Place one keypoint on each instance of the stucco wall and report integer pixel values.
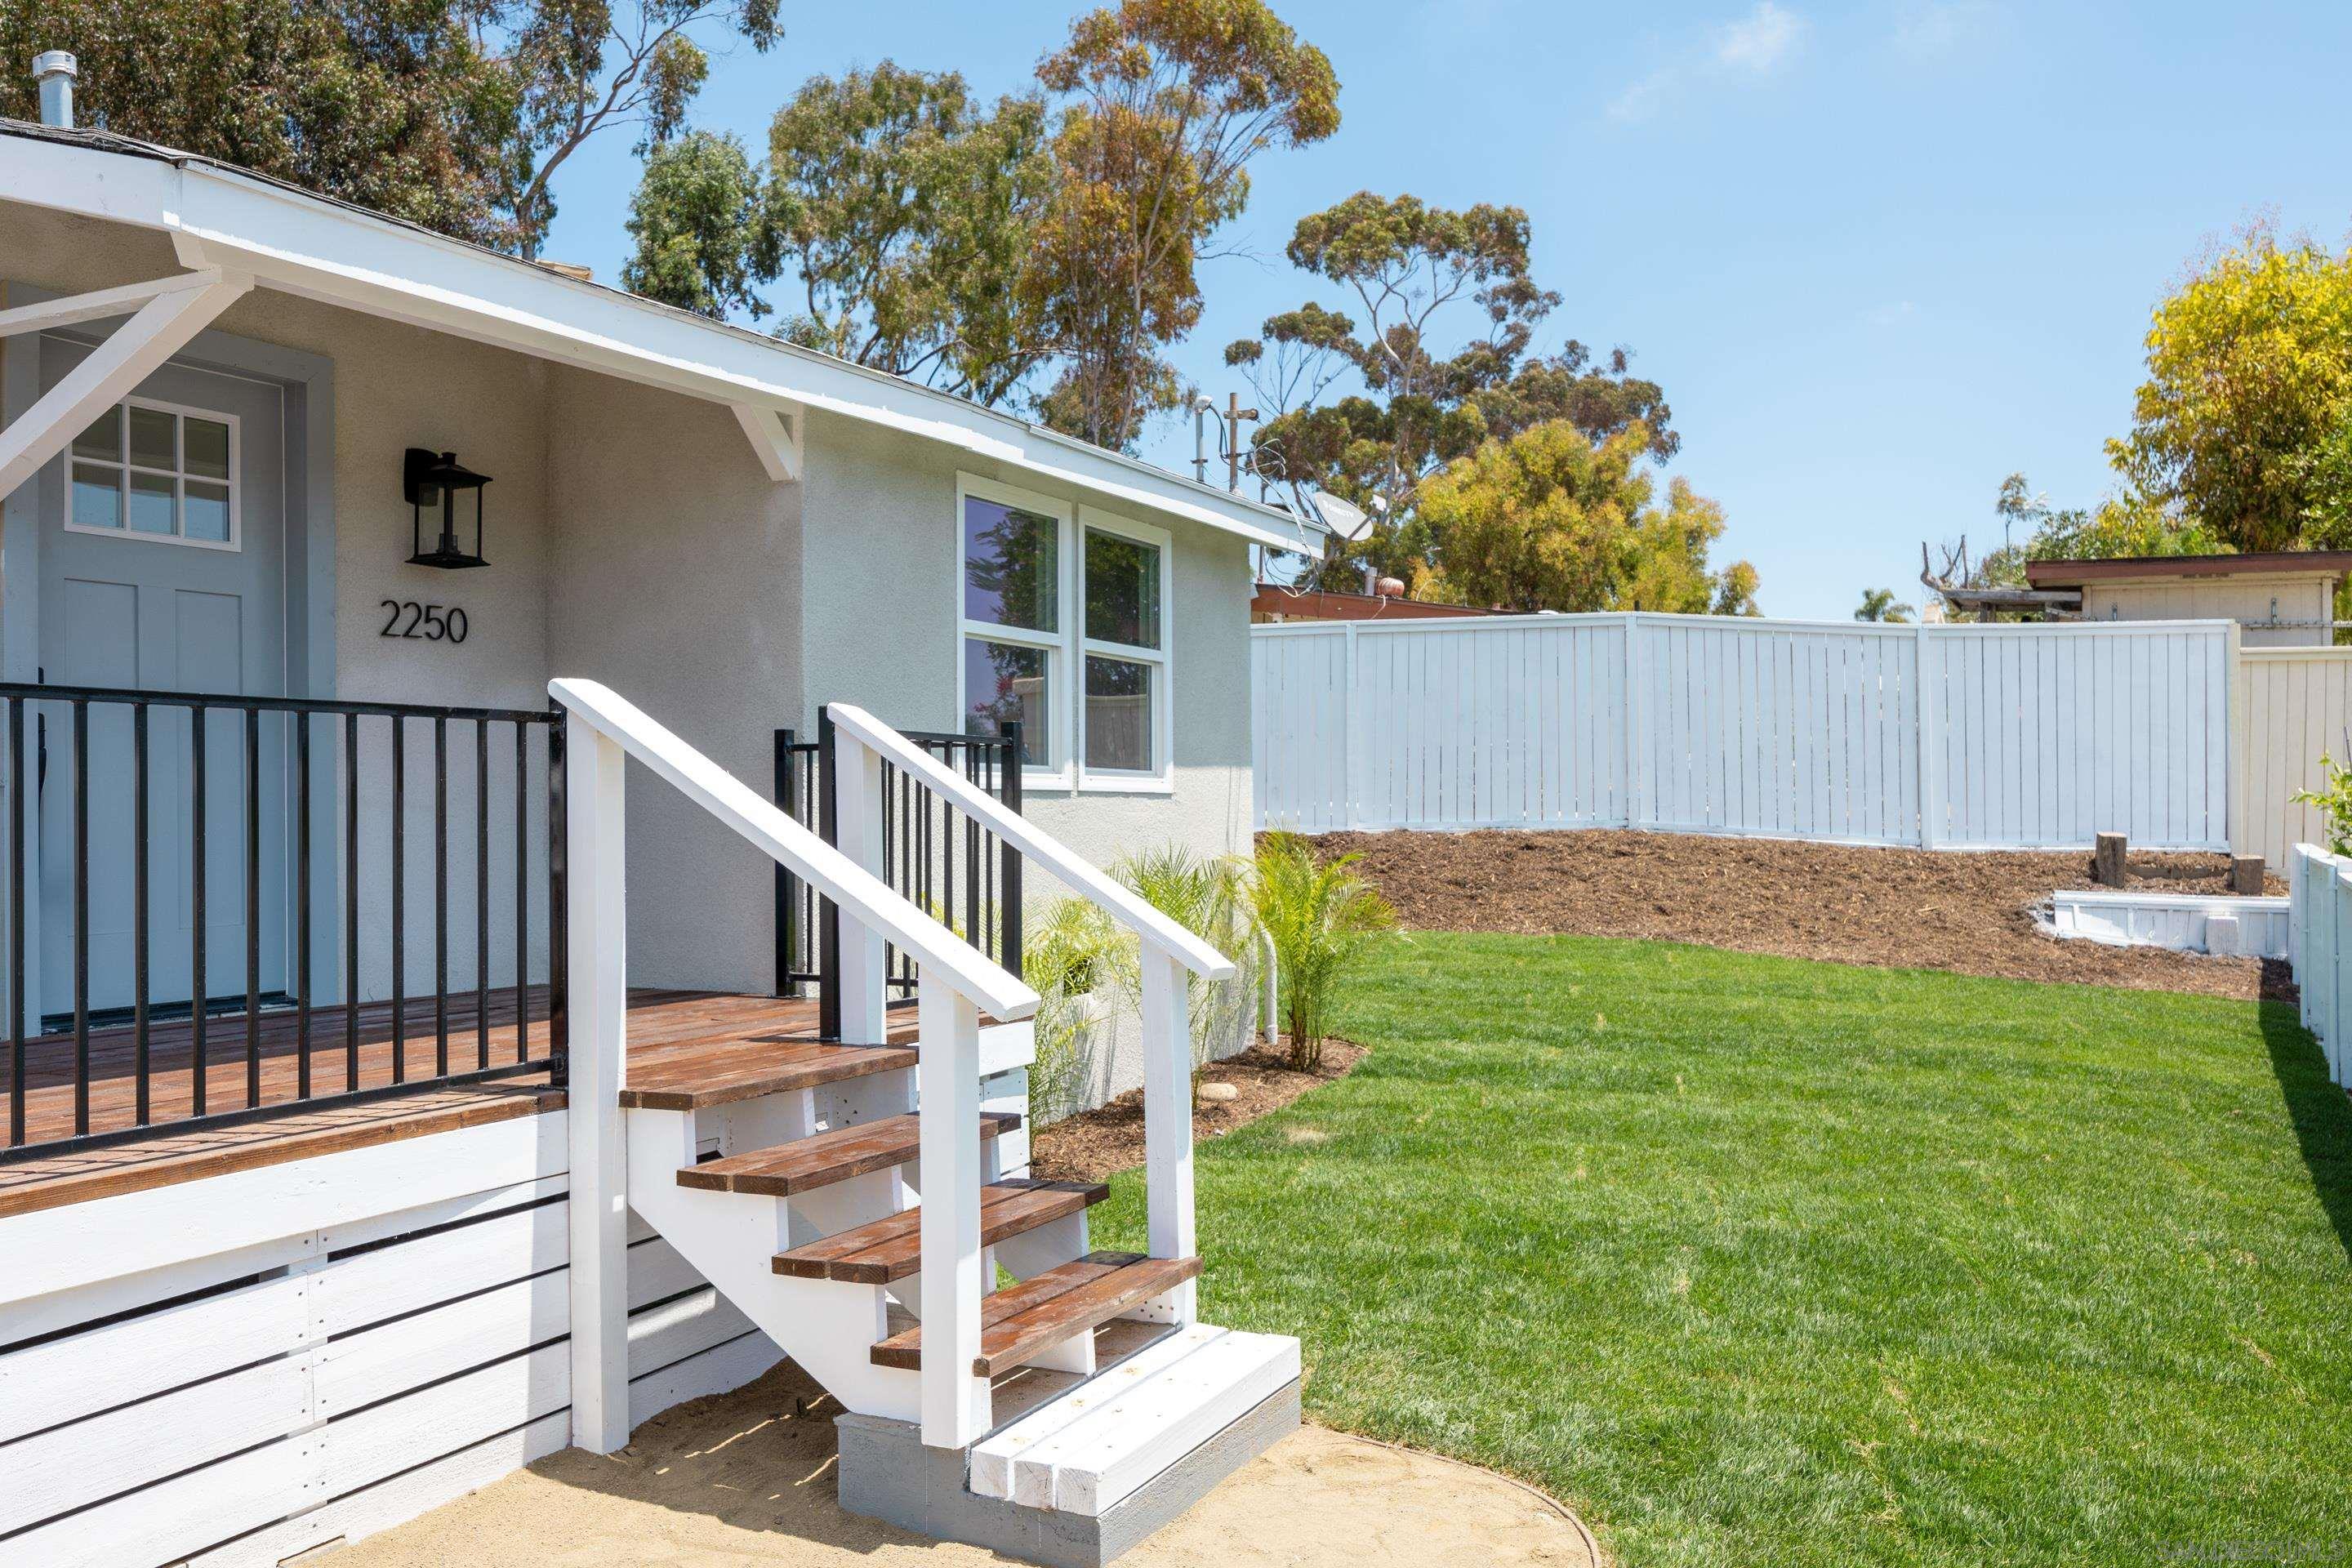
(675, 579)
(881, 529)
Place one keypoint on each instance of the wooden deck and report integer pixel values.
(663, 1025)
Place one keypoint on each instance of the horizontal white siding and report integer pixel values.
(328, 1381)
(2319, 948)
(1949, 736)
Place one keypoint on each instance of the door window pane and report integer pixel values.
(1011, 566)
(97, 496)
(1003, 682)
(103, 439)
(1118, 714)
(1122, 590)
(207, 448)
(151, 503)
(154, 439)
(206, 513)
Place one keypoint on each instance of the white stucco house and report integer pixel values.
(347, 571)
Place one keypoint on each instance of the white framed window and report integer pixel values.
(155, 471)
(1125, 724)
(1062, 621)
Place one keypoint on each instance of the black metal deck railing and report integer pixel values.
(298, 886)
(934, 854)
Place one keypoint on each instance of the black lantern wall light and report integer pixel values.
(434, 479)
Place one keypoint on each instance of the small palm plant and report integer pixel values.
(1071, 951)
(1322, 918)
(1205, 896)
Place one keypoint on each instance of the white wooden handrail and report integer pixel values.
(1039, 846)
(860, 895)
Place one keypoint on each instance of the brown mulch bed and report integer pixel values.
(1963, 911)
(1094, 1144)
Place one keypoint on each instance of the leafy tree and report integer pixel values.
(1553, 520)
(396, 105)
(1880, 604)
(454, 114)
(1165, 103)
(1421, 279)
(2245, 418)
(586, 66)
(909, 213)
(700, 222)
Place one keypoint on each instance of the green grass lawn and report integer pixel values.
(1754, 1260)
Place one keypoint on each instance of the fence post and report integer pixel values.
(2237, 698)
(597, 938)
(858, 808)
(1632, 706)
(1927, 714)
(955, 1402)
(1351, 767)
(1168, 1117)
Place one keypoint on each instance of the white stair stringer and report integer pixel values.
(828, 1327)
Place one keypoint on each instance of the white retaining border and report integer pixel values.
(2215, 923)
(2319, 897)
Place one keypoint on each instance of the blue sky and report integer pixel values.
(1879, 254)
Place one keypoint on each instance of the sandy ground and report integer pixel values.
(1964, 911)
(747, 1477)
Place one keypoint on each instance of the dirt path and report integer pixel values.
(1961, 911)
(747, 1479)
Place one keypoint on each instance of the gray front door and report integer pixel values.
(162, 567)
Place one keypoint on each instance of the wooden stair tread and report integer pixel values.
(1017, 1322)
(891, 1247)
(722, 1071)
(826, 1157)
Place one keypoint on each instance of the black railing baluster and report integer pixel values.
(441, 898)
(979, 935)
(786, 885)
(828, 963)
(399, 900)
(199, 979)
(1008, 913)
(139, 1039)
(481, 893)
(81, 914)
(522, 892)
(300, 725)
(16, 920)
(558, 912)
(351, 901)
(252, 907)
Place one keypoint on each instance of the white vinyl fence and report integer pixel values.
(2297, 703)
(2008, 736)
(2319, 948)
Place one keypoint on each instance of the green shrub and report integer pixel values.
(2334, 803)
(1069, 952)
(1206, 896)
(1321, 918)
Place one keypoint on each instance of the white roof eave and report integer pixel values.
(303, 243)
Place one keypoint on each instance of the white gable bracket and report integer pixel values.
(105, 302)
(163, 326)
(777, 438)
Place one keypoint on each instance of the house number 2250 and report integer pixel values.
(423, 623)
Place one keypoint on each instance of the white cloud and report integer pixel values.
(1891, 315)
(1929, 29)
(1759, 41)
(1755, 45)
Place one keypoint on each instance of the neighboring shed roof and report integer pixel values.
(1315, 604)
(300, 242)
(2160, 568)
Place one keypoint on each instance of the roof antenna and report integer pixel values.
(55, 71)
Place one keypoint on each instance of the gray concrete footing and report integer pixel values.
(886, 1473)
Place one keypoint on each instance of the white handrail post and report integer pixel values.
(595, 769)
(1168, 1117)
(955, 1401)
(858, 811)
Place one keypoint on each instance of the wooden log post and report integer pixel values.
(2107, 860)
(2246, 875)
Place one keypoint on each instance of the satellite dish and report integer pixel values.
(1345, 520)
